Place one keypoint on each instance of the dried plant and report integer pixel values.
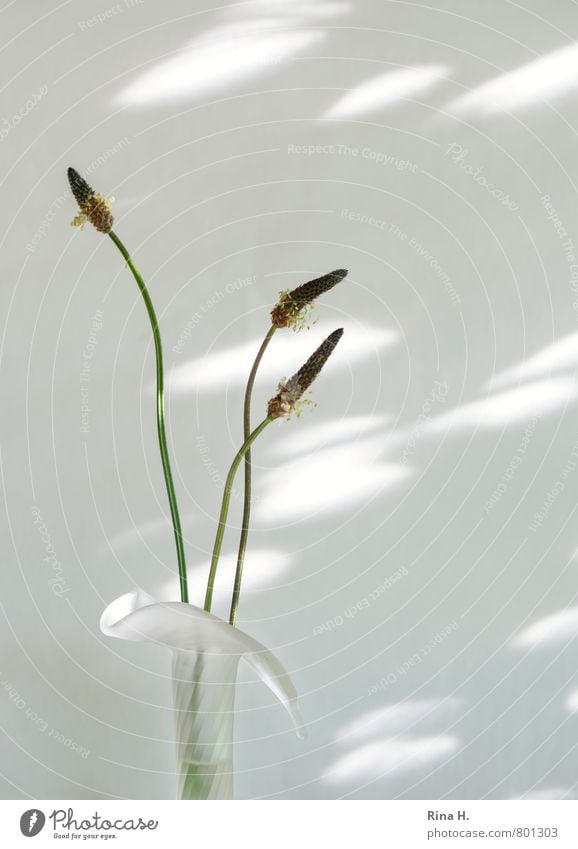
(95, 209)
(301, 381)
(291, 391)
(207, 650)
(291, 310)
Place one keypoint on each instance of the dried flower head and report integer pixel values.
(289, 395)
(94, 207)
(292, 308)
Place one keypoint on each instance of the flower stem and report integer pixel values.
(160, 419)
(225, 508)
(247, 494)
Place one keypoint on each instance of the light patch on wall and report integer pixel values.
(559, 356)
(382, 759)
(135, 535)
(262, 568)
(557, 628)
(220, 57)
(298, 7)
(509, 408)
(219, 368)
(310, 438)
(547, 793)
(386, 90)
(398, 718)
(545, 78)
(327, 481)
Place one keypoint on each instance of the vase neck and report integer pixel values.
(204, 702)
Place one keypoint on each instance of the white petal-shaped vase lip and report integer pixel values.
(181, 627)
(122, 607)
(138, 617)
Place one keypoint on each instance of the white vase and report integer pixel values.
(206, 656)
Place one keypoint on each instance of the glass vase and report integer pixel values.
(206, 655)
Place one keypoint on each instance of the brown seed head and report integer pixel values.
(93, 206)
(290, 391)
(289, 310)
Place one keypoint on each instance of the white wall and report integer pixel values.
(443, 426)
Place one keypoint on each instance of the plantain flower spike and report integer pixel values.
(292, 308)
(288, 398)
(94, 207)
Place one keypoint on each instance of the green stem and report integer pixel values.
(160, 419)
(225, 508)
(247, 494)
